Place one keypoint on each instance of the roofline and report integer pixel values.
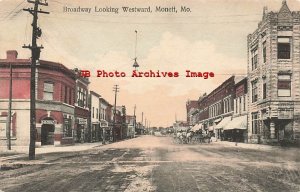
(96, 94)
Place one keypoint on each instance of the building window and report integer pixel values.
(81, 97)
(255, 123)
(48, 91)
(254, 91)
(66, 94)
(254, 58)
(97, 114)
(236, 105)
(93, 112)
(70, 96)
(264, 90)
(283, 48)
(244, 102)
(240, 105)
(264, 52)
(67, 128)
(284, 85)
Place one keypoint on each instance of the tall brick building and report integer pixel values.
(191, 110)
(217, 105)
(274, 77)
(55, 93)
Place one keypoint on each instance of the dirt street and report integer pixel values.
(150, 163)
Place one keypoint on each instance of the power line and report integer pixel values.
(14, 10)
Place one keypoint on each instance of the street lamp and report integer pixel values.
(135, 64)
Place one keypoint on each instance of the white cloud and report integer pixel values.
(174, 53)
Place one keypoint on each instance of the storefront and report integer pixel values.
(236, 129)
(219, 128)
(81, 130)
(105, 131)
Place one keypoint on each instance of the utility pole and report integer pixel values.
(142, 117)
(134, 123)
(116, 90)
(8, 125)
(35, 56)
(145, 124)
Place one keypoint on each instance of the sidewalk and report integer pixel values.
(22, 151)
(252, 146)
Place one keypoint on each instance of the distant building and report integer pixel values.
(120, 128)
(191, 110)
(216, 108)
(236, 128)
(130, 121)
(105, 107)
(82, 111)
(95, 130)
(181, 126)
(274, 77)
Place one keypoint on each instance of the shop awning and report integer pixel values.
(237, 123)
(182, 128)
(223, 123)
(103, 123)
(218, 120)
(197, 127)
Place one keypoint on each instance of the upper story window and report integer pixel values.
(244, 102)
(93, 112)
(264, 52)
(97, 114)
(71, 93)
(227, 105)
(283, 48)
(254, 91)
(264, 90)
(48, 91)
(254, 58)
(66, 94)
(284, 85)
(81, 100)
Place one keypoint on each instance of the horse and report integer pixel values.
(189, 137)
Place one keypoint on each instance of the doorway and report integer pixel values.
(47, 134)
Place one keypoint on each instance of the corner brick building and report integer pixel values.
(55, 93)
(274, 77)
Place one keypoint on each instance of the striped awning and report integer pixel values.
(223, 123)
(237, 123)
(197, 127)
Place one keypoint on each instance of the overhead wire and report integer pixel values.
(13, 10)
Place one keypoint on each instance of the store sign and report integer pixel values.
(66, 121)
(48, 122)
(82, 121)
(104, 124)
(285, 114)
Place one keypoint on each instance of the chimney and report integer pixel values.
(11, 55)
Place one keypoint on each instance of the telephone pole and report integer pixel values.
(145, 124)
(134, 123)
(35, 56)
(8, 125)
(116, 90)
(142, 117)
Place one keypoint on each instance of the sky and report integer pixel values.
(210, 38)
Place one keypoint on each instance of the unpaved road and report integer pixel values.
(151, 163)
